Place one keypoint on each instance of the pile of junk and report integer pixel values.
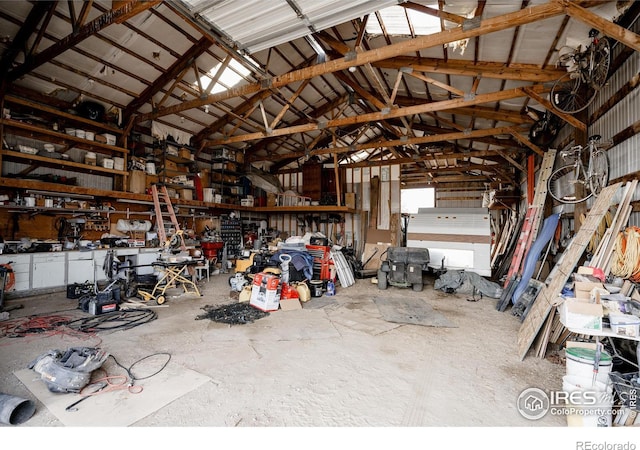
(304, 265)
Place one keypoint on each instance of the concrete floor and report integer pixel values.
(334, 363)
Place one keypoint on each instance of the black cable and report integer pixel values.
(116, 320)
(129, 369)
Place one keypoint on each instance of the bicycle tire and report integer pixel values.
(599, 172)
(570, 95)
(602, 61)
(563, 185)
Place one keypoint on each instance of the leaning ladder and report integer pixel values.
(160, 216)
(533, 216)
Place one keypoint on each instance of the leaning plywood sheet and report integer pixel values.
(549, 296)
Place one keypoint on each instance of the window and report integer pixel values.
(413, 199)
(230, 77)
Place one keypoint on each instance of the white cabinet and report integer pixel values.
(145, 258)
(98, 263)
(21, 265)
(80, 267)
(48, 270)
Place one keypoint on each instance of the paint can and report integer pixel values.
(316, 288)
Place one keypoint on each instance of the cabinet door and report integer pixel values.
(80, 267)
(21, 265)
(48, 271)
(312, 181)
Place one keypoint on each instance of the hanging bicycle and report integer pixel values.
(573, 182)
(586, 73)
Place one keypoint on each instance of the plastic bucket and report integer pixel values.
(316, 288)
(580, 362)
(208, 195)
(587, 405)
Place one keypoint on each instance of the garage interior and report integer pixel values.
(288, 213)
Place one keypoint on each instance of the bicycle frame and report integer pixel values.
(562, 184)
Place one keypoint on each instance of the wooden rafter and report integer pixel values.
(486, 69)
(397, 112)
(174, 72)
(118, 15)
(490, 25)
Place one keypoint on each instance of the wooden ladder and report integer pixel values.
(160, 216)
(533, 217)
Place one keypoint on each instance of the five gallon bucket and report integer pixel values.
(589, 404)
(316, 288)
(15, 410)
(580, 363)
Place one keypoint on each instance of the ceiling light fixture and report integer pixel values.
(352, 69)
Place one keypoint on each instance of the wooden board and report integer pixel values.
(370, 249)
(549, 296)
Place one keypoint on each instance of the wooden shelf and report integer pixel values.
(321, 208)
(27, 130)
(59, 163)
(58, 113)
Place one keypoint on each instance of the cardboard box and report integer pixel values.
(583, 289)
(350, 200)
(110, 139)
(137, 182)
(578, 314)
(265, 292)
(151, 179)
(290, 304)
(170, 165)
(184, 153)
(185, 194)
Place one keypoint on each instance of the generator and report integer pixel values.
(403, 267)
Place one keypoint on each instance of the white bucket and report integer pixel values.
(107, 163)
(580, 362)
(588, 405)
(207, 194)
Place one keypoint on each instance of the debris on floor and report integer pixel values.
(465, 282)
(234, 314)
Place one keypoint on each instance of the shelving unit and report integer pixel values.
(224, 175)
(169, 166)
(23, 141)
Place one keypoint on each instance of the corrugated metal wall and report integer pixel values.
(624, 158)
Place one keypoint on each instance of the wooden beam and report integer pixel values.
(614, 31)
(435, 82)
(547, 104)
(526, 142)
(485, 69)
(125, 12)
(435, 12)
(490, 25)
(19, 42)
(399, 142)
(170, 74)
(372, 117)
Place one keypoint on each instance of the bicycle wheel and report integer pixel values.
(601, 62)
(568, 185)
(599, 172)
(570, 95)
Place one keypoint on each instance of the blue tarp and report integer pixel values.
(301, 260)
(545, 235)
